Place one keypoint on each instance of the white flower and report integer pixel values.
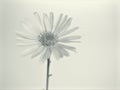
(49, 38)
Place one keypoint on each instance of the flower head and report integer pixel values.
(47, 38)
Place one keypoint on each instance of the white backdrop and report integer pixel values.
(96, 65)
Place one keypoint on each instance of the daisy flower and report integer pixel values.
(47, 37)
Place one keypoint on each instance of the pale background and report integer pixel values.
(96, 65)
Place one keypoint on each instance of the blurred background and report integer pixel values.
(95, 66)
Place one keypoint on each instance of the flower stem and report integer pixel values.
(48, 75)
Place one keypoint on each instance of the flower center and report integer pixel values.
(48, 39)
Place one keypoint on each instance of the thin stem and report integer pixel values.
(48, 75)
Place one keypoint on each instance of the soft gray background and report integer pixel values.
(96, 65)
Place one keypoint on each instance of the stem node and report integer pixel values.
(50, 75)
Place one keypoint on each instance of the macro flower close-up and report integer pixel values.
(50, 37)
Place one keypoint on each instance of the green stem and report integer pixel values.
(48, 75)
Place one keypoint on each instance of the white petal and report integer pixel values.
(47, 54)
(46, 22)
(51, 20)
(25, 36)
(38, 52)
(39, 19)
(32, 26)
(63, 21)
(27, 41)
(58, 22)
(43, 54)
(63, 51)
(57, 53)
(67, 47)
(28, 28)
(69, 38)
(65, 26)
(24, 40)
(68, 41)
(30, 51)
(28, 44)
(67, 32)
